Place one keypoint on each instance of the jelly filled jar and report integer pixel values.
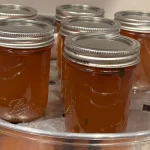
(74, 25)
(25, 47)
(98, 75)
(13, 11)
(136, 25)
(71, 10)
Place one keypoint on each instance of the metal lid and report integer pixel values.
(136, 21)
(25, 34)
(73, 25)
(16, 11)
(70, 10)
(47, 19)
(104, 51)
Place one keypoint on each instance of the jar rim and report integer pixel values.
(136, 21)
(69, 10)
(16, 11)
(71, 25)
(25, 34)
(102, 51)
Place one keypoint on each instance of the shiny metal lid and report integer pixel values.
(25, 34)
(136, 21)
(47, 19)
(73, 25)
(16, 11)
(70, 10)
(104, 51)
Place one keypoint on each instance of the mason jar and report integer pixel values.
(75, 25)
(25, 47)
(136, 24)
(98, 76)
(13, 11)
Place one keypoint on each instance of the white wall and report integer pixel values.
(110, 6)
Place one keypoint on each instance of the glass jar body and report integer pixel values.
(142, 74)
(24, 76)
(96, 99)
(60, 47)
(58, 25)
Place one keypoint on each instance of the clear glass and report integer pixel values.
(60, 47)
(54, 48)
(58, 25)
(96, 99)
(24, 76)
(142, 75)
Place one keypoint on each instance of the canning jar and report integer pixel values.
(13, 11)
(71, 10)
(136, 25)
(98, 75)
(52, 21)
(74, 25)
(25, 47)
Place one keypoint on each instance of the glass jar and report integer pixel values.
(25, 47)
(12, 11)
(71, 10)
(136, 25)
(98, 75)
(52, 21)
(74, 25)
